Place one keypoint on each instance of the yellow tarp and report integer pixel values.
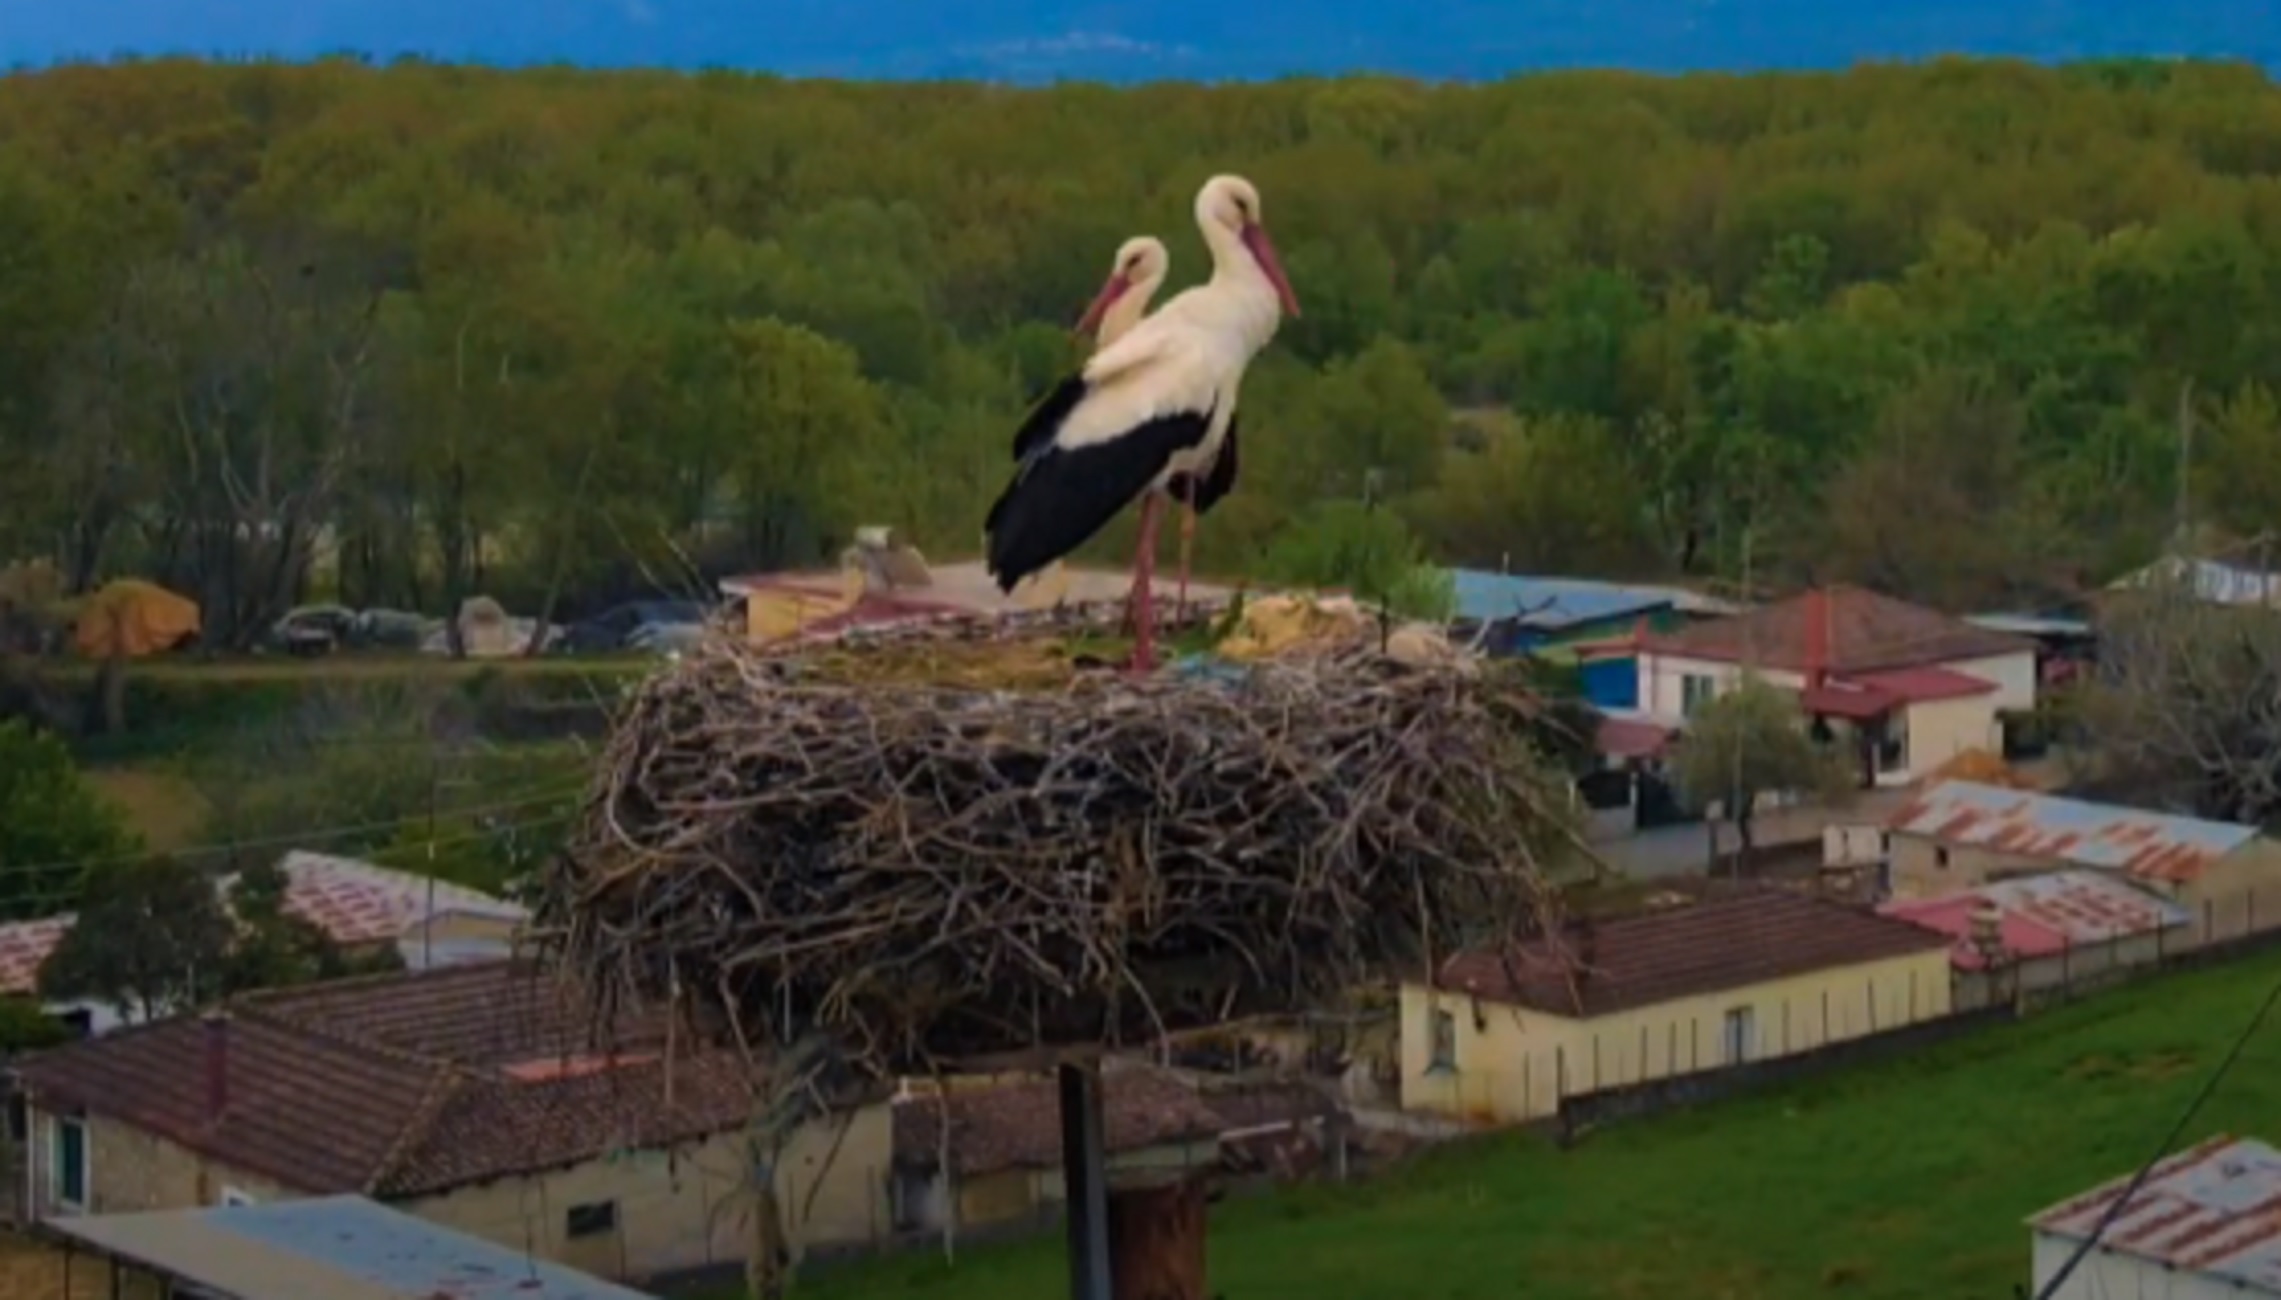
(134, 618)
(1272, 627)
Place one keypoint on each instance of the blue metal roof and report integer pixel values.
(1551, 603)
(367, 1241)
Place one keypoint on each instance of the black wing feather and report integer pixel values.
(1047, 413)
(1060, 497)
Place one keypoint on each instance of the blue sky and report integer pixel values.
(1128, 40)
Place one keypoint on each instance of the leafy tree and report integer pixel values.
(52, 825)
(1366, 551)
(152, 939)
(1749, 742)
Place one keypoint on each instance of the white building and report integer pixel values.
(2203, 1227)
(1912, 686)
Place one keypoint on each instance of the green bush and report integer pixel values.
(52, 823)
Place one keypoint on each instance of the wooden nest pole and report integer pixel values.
(1142, 1241)
(1085, 1181)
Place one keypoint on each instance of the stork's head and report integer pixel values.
(1231, 203)
(1140, 267)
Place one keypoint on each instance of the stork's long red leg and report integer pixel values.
(1187, 547)
(1144, 582)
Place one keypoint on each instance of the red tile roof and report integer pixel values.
(398, 1085)
(1868, 632)
(1651, 957)
(1018, 1125)
(1926, 684)
(1630, 738)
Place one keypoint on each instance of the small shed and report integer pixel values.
(338, 1247)
(2198, 1228)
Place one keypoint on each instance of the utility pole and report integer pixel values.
(2183, 522)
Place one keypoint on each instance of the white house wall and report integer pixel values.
(2105, 1275)
(1660, 677)
(1939, 730)
(2014, 675)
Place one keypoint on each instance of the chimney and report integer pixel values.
(1817, 615)
(217, 1063)
(1988, 930)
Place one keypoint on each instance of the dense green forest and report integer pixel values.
(407, 333)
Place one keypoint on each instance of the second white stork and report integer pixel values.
(1154, 405)
(1141, 265)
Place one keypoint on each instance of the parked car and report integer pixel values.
(312, 630)
(666, 638)
(613, 629)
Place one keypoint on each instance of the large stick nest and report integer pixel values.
(932, 873)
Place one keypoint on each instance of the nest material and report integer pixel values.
(933, 874)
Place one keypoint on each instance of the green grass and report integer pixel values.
(1897, 1181)
(160, 804)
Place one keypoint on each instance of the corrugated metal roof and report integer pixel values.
(2213, 1209)
(1551, 603)
(2031, 624)
(336, 1246)
(2147, 845)
(2042, 915)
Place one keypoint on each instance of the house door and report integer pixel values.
(1741, 1035)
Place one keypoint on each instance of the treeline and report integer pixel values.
(411, 333)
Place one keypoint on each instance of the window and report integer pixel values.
(1940, 858)
(1741, 1035)
(1695, 691)
(67, 1170)
(1444, 1041)
(590, 1220)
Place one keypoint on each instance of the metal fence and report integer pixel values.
(2218, 930)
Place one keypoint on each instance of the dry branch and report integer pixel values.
(932, 873)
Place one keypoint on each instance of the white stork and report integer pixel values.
(1134, 278)
(1151, 406)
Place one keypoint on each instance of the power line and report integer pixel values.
(2122, 1199)
(296, 839)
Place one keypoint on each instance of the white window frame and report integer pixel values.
(235, 1196)
(1695, 691)
(56, 1126)
(1439, 1061)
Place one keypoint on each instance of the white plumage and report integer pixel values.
(1155, 403)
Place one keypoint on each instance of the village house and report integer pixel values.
(1004, 1146)
(464, 1095)
(2199, 1228)
(1695, 987)
(361, 907)
(1559, 618)
(1899, 687)
(1962, 834)
(2057, 930)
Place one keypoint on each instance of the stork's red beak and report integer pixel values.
(1263, 252)
(1102, 302)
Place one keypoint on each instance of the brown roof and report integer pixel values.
(1018, 1125)
(399, 1085)
(1650, 957)
(1867, 631)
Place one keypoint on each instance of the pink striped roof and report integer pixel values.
(352, 902)
(2214, 1209)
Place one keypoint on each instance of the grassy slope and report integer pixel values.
(1890, 1182)
(161, 805)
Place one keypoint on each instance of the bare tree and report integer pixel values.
(2185, 713)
